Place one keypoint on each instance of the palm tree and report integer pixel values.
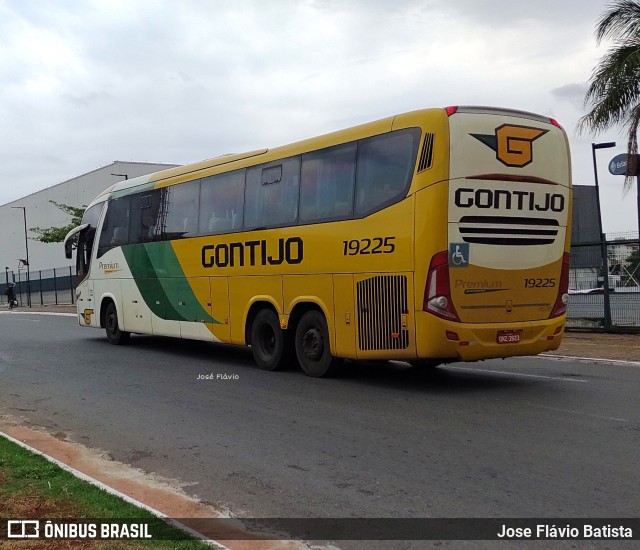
(614, 87)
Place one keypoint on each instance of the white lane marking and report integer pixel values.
(38, 313)
(592, 359)
(554, 409)
(581, 413)
(521, 374)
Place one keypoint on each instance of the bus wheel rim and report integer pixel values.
(111, 323)
(268, 340)
(312, 344)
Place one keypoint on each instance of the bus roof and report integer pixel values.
(179, 173)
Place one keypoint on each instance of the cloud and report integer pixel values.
(82, 84)
(574, 93)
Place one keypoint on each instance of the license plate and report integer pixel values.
(508, 336)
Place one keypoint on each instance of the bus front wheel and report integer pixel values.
(270, 345)
(114, 334)
(312, 345)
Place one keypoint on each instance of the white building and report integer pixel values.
(78, 191)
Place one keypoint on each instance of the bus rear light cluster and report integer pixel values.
(437, 293)
(560, 307)
(555, 123)
(553, 336)
(454, 337)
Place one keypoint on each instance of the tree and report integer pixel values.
(614, 87)
(57, 234)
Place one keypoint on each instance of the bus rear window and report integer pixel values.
(385, 168)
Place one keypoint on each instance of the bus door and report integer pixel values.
(83, 237)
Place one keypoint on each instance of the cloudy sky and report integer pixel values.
(87, 82)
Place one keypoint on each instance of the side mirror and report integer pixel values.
(68, 240)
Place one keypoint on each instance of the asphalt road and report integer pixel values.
(527, 437)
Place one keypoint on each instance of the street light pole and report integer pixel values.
(26, 246)
(595, 146)
(638, 200)
(603, 242)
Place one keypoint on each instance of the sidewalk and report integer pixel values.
(597, 345)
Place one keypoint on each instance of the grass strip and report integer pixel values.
(32, 487)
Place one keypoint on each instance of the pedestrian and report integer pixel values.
(10, 291)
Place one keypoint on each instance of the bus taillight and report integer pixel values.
(437, 293)
(560, 306)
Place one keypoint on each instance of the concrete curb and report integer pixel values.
(60, 314)
(126, 498)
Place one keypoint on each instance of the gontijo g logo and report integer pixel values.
(512, 143)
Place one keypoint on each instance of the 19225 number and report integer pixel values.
(539, 283)
(375, 245)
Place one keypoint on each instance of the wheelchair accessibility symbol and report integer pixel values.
(459, 254)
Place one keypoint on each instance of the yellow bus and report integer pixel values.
(429, 237)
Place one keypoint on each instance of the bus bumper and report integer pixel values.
(440, 339)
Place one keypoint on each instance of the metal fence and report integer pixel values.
(604, 284)
(595, 301)
(42, 287)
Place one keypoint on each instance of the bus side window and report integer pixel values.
(385, 168)
(145, 208)
(272, 194)
(115, 229)
(326, 185)
(221, 200)
(182, 205)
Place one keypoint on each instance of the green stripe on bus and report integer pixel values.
(162, 283)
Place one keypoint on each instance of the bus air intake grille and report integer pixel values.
(382, 305)
(510, 231)
(426, 156)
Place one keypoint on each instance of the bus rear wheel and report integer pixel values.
(312, 345)
(271, 346)
(114, 334)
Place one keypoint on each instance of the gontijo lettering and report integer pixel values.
(288, 251)
(511, 200)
